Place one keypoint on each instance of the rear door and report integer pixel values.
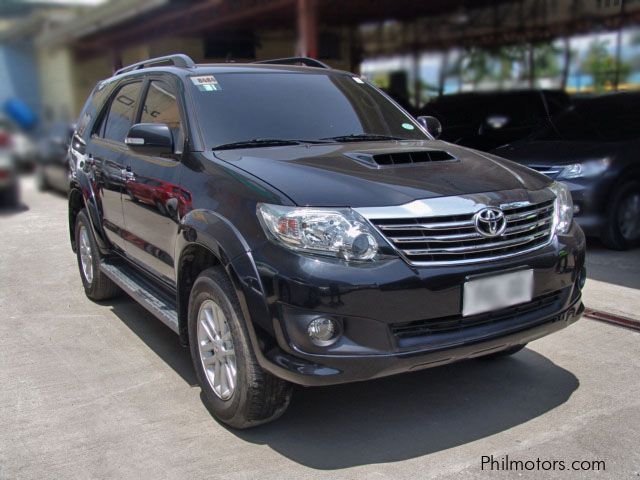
(154, 199)
(107, 153)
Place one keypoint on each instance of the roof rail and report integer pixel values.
(179, 60)
(307, 61)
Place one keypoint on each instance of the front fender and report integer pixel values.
(213, 231)
(218, 235)
(84, 184)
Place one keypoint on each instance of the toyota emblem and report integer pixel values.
(490, 222)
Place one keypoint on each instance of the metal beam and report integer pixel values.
(193, 19)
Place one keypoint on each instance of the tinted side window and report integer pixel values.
(161, 106)
(122, 112)
(92, 107)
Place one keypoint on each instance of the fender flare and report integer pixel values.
(82, 187)
(213, 232)
(94, 209)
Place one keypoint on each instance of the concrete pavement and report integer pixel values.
(92, 390)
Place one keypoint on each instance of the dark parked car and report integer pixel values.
(9, 186)
(593, 147)
(306, 230)
(486, 120)
(52, 166)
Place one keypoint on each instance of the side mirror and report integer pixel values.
(431, 124)
(150, 139)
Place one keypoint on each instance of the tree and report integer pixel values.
(545, 56)
(601, 65)
(473, 66)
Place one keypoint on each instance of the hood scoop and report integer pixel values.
(400, 158)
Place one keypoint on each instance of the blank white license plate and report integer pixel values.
(500, 291)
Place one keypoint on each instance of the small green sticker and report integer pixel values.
(408, 126)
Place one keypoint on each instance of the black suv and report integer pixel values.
(294, 225)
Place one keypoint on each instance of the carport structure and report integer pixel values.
(341, 32)
(401, 26)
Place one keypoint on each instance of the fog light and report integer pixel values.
(322, 331)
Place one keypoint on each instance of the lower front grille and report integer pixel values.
(454, 323)
(446, 240)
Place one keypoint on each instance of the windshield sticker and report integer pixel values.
(357, 80)
(408, 126)
(206, 83)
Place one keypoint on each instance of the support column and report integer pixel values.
(616, 81)
(532, 66)
(567, 62)
(417, 79)
(115, 57)
(307, 15)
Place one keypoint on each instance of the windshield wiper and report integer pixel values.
(357, 137)
(263, 142)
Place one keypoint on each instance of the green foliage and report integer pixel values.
(510, 62)
(601, 65)
(546, 60)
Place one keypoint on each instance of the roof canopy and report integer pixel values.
(387, 27)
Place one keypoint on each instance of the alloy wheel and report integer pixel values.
(217, 353)
(86, 256)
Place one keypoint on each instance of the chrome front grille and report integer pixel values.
(439, 240)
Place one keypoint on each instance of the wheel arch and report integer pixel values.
(75, 205)
(207, 239)
(81, 195)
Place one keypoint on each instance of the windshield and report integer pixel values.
(604, 120)
(241, 107)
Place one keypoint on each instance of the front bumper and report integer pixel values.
(371, 301)
(318, 370)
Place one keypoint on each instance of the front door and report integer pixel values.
(107, 154)
(153, 199)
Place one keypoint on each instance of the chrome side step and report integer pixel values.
(144, 292)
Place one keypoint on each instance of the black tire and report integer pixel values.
(100, 287)
(259, 397)
(612, 236)
(504, 353)
(10, 197)
(41, 180)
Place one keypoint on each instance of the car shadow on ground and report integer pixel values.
(390, 419)
(55, 193)
(7, 211)
(415, 414)
(162, 340)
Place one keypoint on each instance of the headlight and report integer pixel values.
(563, 208)
(588, 169)
(340, 233)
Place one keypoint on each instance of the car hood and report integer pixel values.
(346, 175)
(554, 152)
